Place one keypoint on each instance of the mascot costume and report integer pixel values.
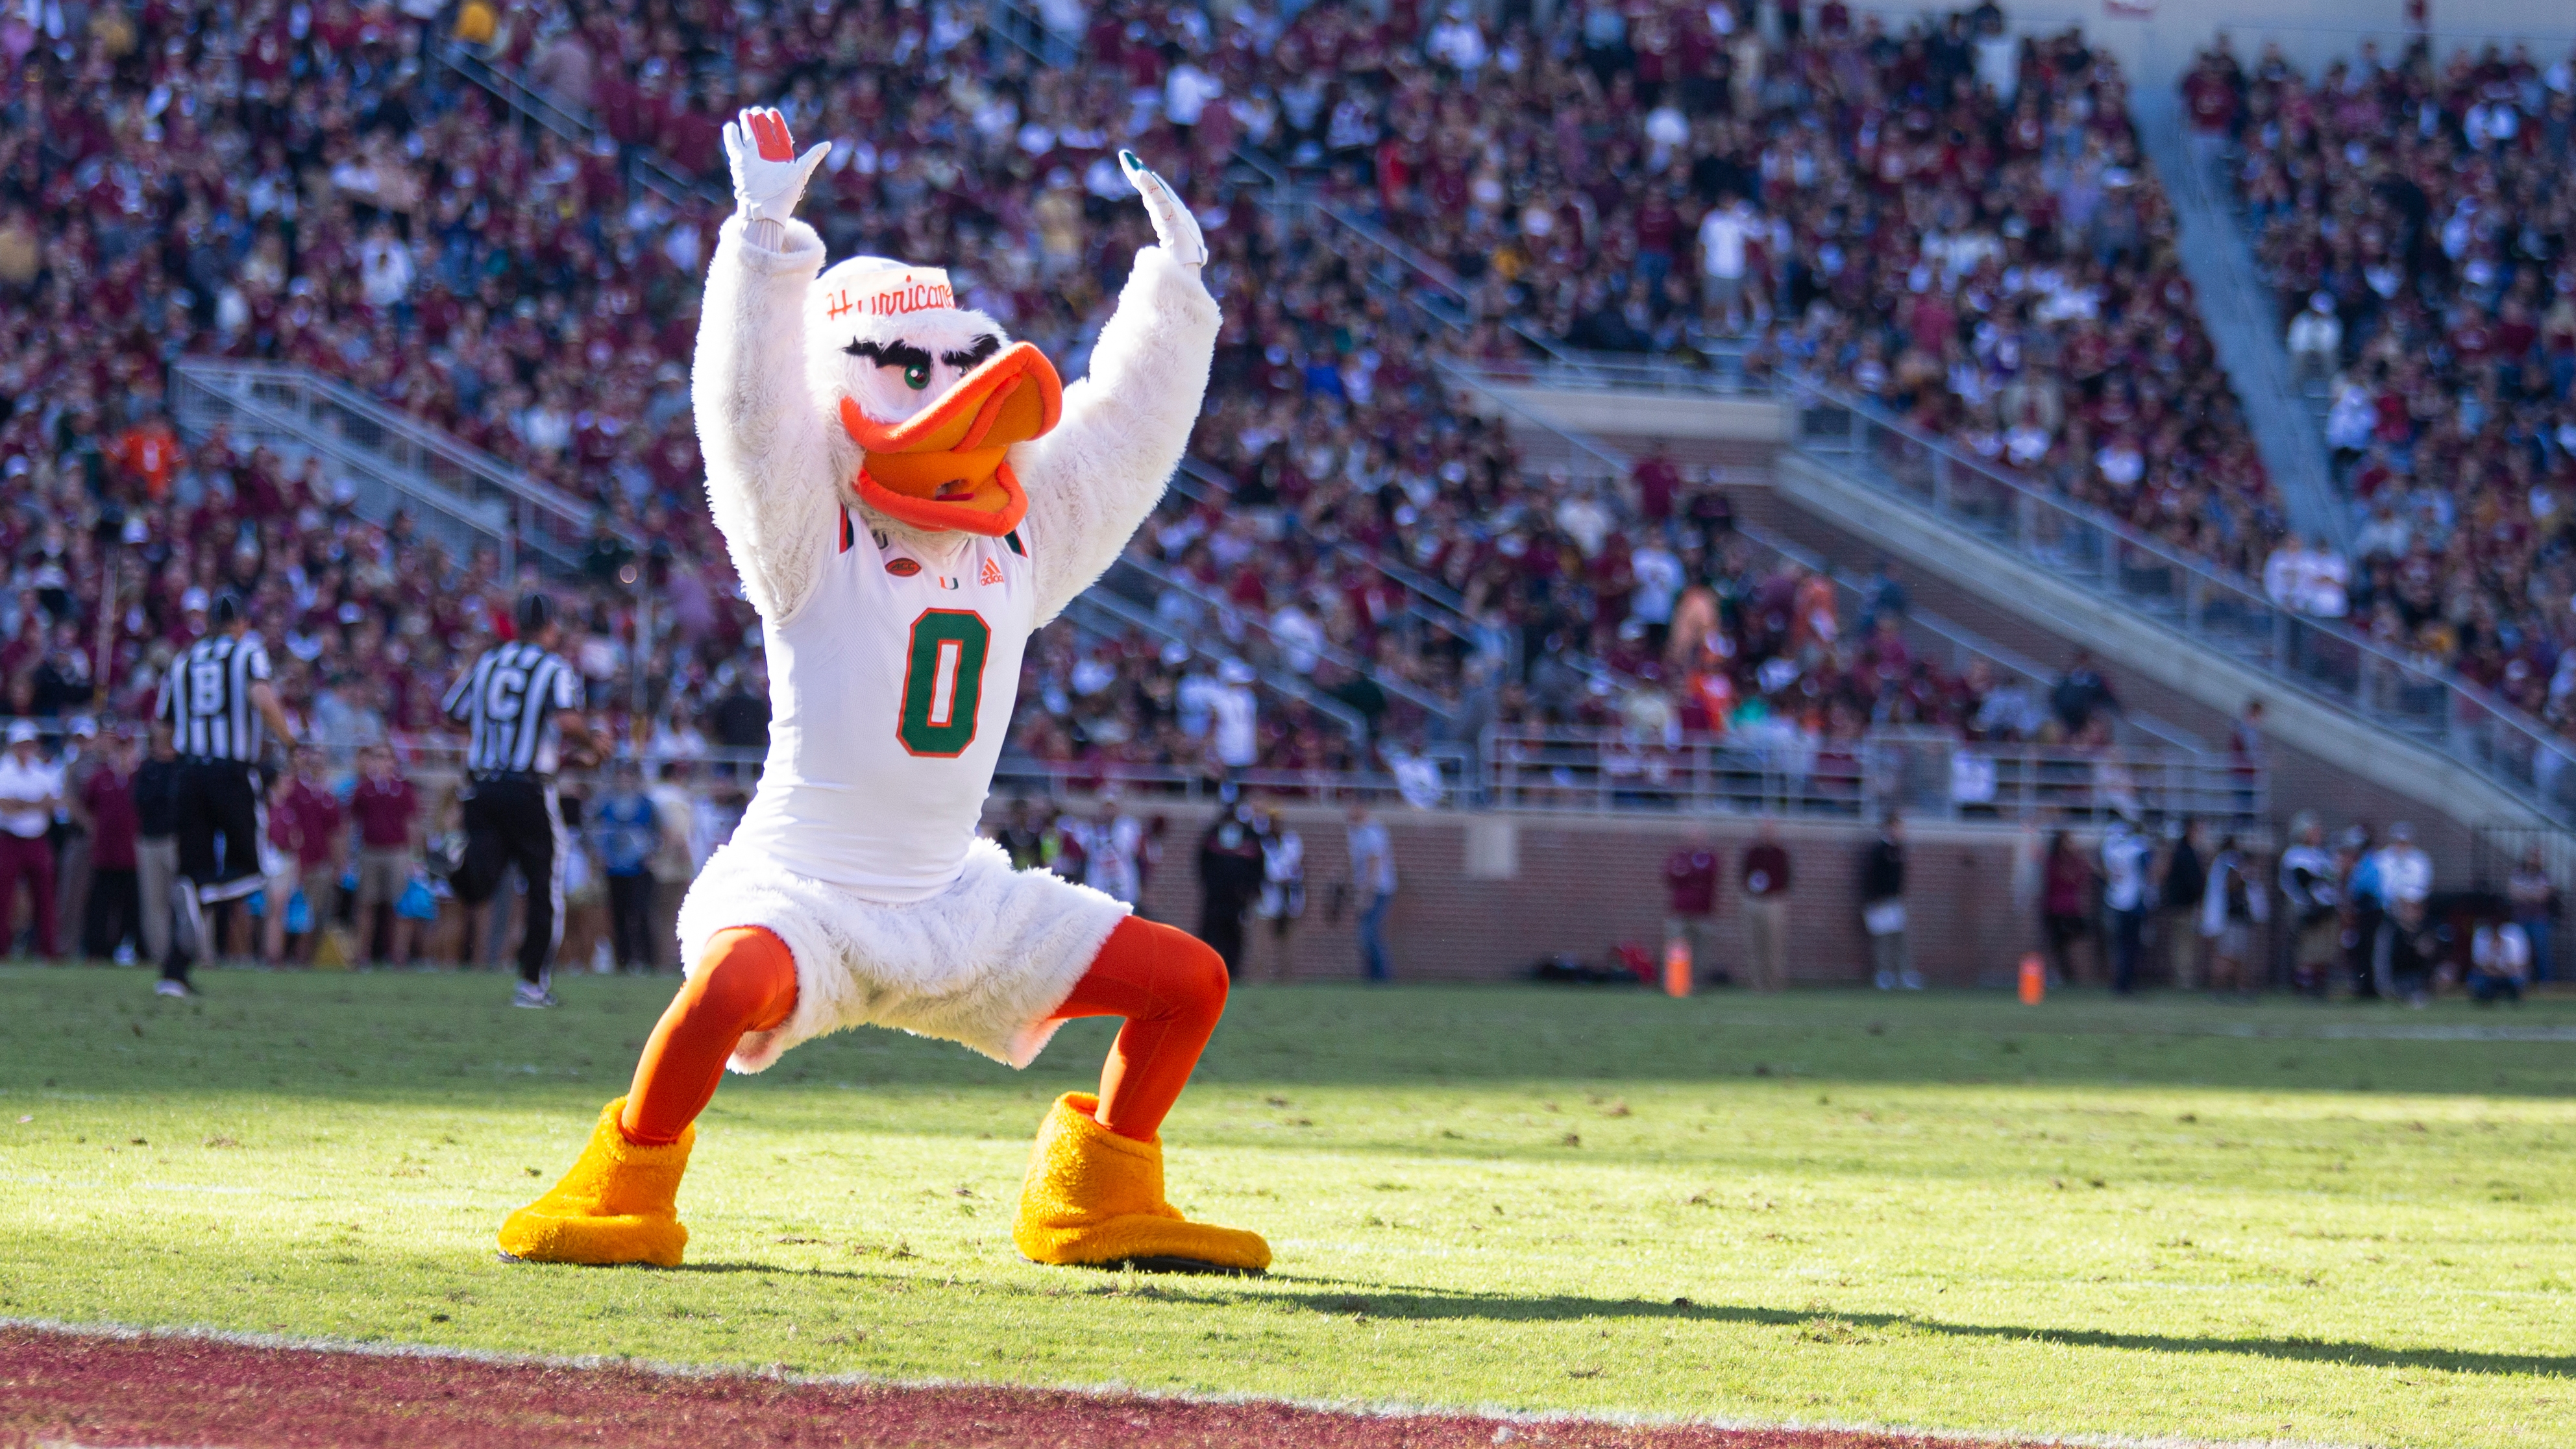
(907, 494)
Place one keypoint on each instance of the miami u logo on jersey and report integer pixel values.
(943, 682)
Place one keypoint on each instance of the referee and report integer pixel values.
(215, 699)
(517, 701)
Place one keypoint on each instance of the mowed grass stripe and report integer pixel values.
(1946, 1212)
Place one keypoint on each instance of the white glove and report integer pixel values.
(768, 176)
(1174, 227)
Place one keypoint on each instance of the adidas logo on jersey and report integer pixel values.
(992, 572)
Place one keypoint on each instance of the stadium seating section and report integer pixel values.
(1956, 224)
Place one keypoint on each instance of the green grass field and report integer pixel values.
(2342, 1225)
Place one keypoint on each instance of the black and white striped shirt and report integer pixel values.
(509, 699)
(205, 698)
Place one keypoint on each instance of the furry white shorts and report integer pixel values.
(983, 963)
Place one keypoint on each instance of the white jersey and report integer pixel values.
(891, 690)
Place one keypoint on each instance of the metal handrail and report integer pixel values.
(1963, 640)
(1101, 599)
(1164, 578)
(241, 384)
(2296, 650)
(1196, 480)
(1923, 772)
(2518, 752)
(650, 168)
(462, 519)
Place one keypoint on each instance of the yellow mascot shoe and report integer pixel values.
(615, 1206)
(1095, 1199)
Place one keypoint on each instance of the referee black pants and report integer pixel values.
(515, 821)
(220, 819)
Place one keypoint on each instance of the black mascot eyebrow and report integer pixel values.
(985, 346)
(890, 354)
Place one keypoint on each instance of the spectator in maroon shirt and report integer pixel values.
(113, 913)
(386, 809)
(1658, 482)
(313, 833)
(1765, 878)
(1690, 880)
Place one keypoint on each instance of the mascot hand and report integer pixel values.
(1174, 227)
(768, 176)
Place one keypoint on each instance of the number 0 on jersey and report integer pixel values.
(943, 682)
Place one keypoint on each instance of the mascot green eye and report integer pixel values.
(917, 376)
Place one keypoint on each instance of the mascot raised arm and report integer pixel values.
(907, 495)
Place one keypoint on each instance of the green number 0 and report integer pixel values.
(943, 682)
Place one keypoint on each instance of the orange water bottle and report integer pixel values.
(1677, 967)
(2034, 980)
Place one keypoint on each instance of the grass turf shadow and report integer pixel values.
(1831, 1325)
(1826, 1325)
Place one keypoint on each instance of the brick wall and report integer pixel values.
(1585, 883)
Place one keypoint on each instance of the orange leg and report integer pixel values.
(746, 981)
(1171, 988)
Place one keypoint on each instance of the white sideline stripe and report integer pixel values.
(2149, 1026)
(1381, 1409)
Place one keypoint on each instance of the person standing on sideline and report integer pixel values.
(73, 846)
(2125, 854)
(1283, 889)
(1110, 854)
(1690, 896)
(31, 790)
(112, 910)
(1372, 889)
(220, 707)
(2307, 880)
(675, 863)
(2066, 903)
(2186, 880)
(1765, 878)
(1229, 877)
(156, 844)
(628, 835)
(388, 813)
(2534, 899)
(1882, 907)
(2247, 756)
(2405, 877)
(2233, 905)
(520, 702)
(321, 854)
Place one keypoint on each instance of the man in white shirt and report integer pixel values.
(1723, 237)
(2285, 574)
(31, 790)
(675, 862)
(1373, 888)
(2125, 853)
(1237, 714)
(2329, 591)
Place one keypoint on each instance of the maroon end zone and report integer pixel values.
(98, 1390)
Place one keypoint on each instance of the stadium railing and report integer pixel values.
(1925, 773)
(459, 492)
(2322, 659)
(1104, 613)
(2319, 658)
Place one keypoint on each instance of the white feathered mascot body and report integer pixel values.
(907, 495)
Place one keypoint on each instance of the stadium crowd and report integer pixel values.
(2414, 212)
(1951, 221)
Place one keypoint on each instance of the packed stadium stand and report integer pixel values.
(2412, 210)
(481, 232)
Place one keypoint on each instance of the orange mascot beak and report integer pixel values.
(943, 467)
